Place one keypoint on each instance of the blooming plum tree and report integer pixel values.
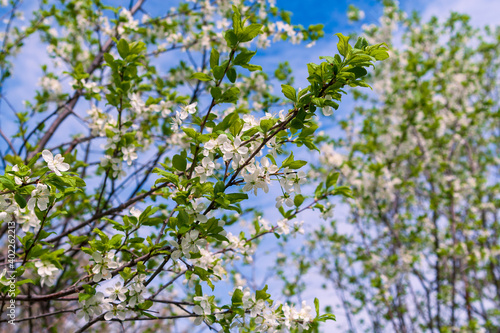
(139, 188)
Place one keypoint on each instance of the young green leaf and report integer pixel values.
(201, 77)
(249, 33)
(289, 92)
(123, 48)
(214, 58)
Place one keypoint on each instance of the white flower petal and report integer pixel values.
(47, 156)
(63, 167)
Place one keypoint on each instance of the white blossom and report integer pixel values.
(29, 221)
(117, 291)
(47, 272)
(56, 163)
(20, 181)
(327, 110)
(129, 154)
(117, 311)
(206, 169)
(136, 290)
(103, 265)
(137, 103)
(39, 197)
(94, 306)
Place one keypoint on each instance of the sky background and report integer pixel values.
(330, 13)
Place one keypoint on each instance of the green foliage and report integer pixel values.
(169, 150)
(418, 171)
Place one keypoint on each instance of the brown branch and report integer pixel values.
(8, 141)
(108, 212)
(41, 316)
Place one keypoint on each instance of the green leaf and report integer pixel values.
(331, 179)
(244, 57)
(123, 48)
(179, 162)
(231, 74)
(289, 92)
(59, 183)
(308, 131)
(109, 58)
(230, 96)
(201, 77)
(149, 315)
(316, 306)
(266, 124)
(214, 58)
(237, 298)
(380, 54)
(262, 294)
(287, 161)
(344, 191)
(297, 164)
(343, 44)
(89, 289)
(136, 240)
(146, 305)
(331, 103)
(198, 290)
(82, 297)
(75, 240)
(320, 102)
(183, 218)
(101, 234)
(249, 32)
(147, 212)
(361, 43)
(20, 200)
(236, 197)
(219, 187)
(20, 271)
(252, 68)
(19, 283)
(236, 20)
(167, 176)
(227, 122)
(7, 182)
(216, 93)
(137, 47)
(231, 38)
(33, 160)
(358, 71)
(116, 240)
(236, 127)
(331, 60)
(218, 72)
(298, 200)
(326, 317)
(190, 132)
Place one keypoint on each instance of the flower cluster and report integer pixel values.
(47, 272)
(103, 265)
(190, 242)
(259, 176)
(182, 115)
(120, 301)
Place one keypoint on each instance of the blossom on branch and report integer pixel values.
(56, 163)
